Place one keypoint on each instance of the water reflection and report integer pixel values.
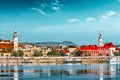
(15, 72)
(101, 72)
(59, 72)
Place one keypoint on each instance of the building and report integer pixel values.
(101, 50)
(15, 40)
(100, 40)
(7, 47)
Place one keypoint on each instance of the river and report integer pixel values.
(30, 71)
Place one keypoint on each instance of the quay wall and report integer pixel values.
(61, 60)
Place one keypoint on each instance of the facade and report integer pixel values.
(15, 40)
(71, 48)
(101, 50)
(94, 50)
(100, 40)
(7, 47)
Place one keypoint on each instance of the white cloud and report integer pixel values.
(107, 16)
(46, 8)
(73, 20)
(104, 18)
(44, 5)
(90, 19)
(39, 10)
(111, 13)
(56, 8)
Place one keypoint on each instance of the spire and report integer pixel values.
(100, 41)
(15, 32)
(15, 40)
(100, 36)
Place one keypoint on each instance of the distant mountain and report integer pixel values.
(67, 43)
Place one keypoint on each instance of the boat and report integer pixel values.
(69, 60)
(114, 60)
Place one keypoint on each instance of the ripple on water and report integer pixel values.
(60, 72)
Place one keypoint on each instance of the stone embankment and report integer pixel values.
(60, 60)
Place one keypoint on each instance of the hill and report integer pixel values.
(67, 43)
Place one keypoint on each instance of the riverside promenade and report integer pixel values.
(58, 60)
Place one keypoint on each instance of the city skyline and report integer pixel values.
(79, 21)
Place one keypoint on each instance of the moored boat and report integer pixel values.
(114, 60)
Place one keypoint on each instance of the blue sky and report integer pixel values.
(79, 21)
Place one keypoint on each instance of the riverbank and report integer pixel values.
(58, 60)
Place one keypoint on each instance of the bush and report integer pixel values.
(62, 54)
(78, 53)
(38, 53)
(116, 53)
(17, 53)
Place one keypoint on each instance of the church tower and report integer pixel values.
(15, 40)
(100, 41)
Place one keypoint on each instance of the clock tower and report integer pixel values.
(15, 40)
(100, 41)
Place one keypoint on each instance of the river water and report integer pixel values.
(29, 71)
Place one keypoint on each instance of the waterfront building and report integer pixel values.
(7, 47)
(28, 50)
(71, 48)
(15, 40)
(101, 50)
(100, 40)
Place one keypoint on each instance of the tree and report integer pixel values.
(38, 53)
(53, 53)
(3, 50)
(2, 54)
(49, 54)
(116, 53)
(1, 40)
(78, 53)
(9, 49)
(85, 53)
(62, 54)
(100, 54)
(21, 53)
(107, 54)
(17, 53)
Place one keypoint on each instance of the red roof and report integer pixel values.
(87, 47)
(66, 51)
(95, 47)
(118, 48)
(8, 47)
(6, 40)
(5, 45)
(108, 45)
